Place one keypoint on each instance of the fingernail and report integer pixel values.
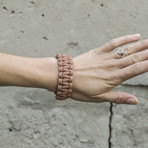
(136, 35)
(132, 101)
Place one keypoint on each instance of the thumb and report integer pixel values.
(120, 98)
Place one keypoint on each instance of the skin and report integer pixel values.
(98, 71)
(95, 73)
(28, 72)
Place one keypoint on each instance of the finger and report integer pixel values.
(132, 59)
(132, 70)
(121, 98)
(130, 49)
(114, 43)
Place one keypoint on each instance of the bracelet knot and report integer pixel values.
(65, 76)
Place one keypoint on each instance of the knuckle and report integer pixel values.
(118, 99)
(127, 50)
(112, 64)
(117, 77)
(94, 51)
(122, 63)
(114, 80)
(135, 58)
(135, 68)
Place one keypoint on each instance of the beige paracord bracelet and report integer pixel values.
(65, 76)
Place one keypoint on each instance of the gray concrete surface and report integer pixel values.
(32, 117)
(130, 124)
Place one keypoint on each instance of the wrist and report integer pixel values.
(65, 76)
(46, 73)
(51, 73)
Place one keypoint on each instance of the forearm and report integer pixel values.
(28, 72)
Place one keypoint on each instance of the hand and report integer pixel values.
(97, 72)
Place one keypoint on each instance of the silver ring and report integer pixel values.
(120, 52)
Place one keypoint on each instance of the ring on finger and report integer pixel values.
(120, 52)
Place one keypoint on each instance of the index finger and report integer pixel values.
(114, 43)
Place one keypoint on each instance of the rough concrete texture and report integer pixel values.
(32, 117)
(130, 124)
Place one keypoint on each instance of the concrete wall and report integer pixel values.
(31, 117)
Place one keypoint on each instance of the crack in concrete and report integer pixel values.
(110, 126)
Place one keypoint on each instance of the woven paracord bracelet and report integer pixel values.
(65, 76)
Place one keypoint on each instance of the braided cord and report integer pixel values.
(65, 76)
